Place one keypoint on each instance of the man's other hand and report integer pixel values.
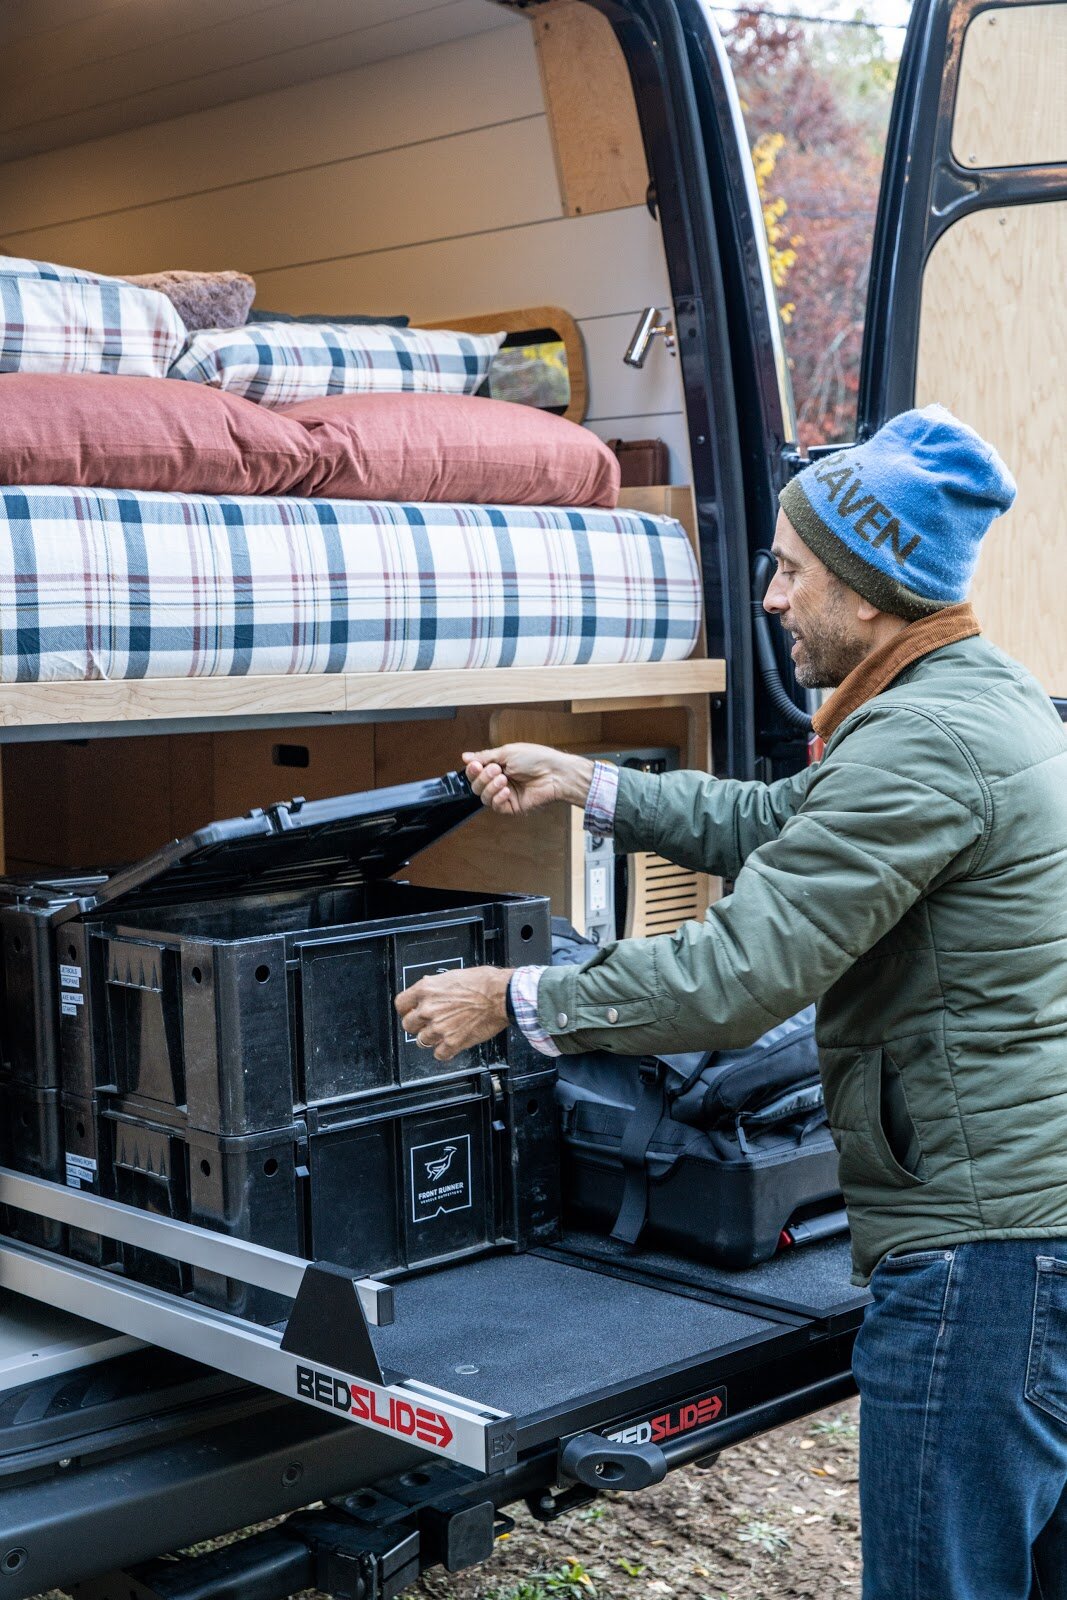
(451, 1011)
(515, 779)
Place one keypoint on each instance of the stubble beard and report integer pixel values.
(831, 652)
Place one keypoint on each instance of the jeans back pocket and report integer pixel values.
(1046, 1371)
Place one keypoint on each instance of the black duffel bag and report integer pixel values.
(725, 1156)
(714, 1153)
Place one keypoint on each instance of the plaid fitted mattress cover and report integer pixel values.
(115, 584)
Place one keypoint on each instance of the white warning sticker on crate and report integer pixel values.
(424, 969)
(69, 1003)
(81, 1171)
(441, 1177)
(70, 977)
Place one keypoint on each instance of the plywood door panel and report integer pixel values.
(254, 75)
(475, 82)
(1011, 109)
(993, 348)
(588, 265)
(464, 184)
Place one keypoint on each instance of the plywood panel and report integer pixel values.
(590, 103)
(459, 185)
(588, 265)
(149, 699)
(94, 804)
(249, 767)
(348, 114)
(1011, 110)
(993, 348)
(76, 108)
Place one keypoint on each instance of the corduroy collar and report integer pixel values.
(878, 670)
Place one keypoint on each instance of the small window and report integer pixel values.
(531, 369)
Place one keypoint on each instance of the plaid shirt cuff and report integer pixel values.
(603, 797)
(523, 987)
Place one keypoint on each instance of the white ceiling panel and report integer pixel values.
(101, 69)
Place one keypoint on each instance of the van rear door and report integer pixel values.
(966, 303)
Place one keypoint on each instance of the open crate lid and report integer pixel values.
(340, 842)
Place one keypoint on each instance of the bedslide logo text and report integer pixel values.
(683, 1418)
(370, 1405)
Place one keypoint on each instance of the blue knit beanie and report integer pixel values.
(899, 519)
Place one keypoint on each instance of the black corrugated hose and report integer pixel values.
(762, 572)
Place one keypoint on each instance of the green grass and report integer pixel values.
(843, 1427)
(569, 1582)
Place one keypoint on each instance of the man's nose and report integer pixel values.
(775, 600)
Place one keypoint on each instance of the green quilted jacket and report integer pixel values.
(914, 884)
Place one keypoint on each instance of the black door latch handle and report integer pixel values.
(602, 1463)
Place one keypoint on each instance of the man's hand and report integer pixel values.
(518, 778)
(451, 1011)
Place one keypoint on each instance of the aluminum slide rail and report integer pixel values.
(325, 1358)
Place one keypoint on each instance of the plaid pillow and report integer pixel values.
(279, 363)
(57, 319)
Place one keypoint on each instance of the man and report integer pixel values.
(914, 883)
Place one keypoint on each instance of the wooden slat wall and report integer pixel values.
(424, 184)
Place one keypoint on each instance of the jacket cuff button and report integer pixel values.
(613, 1015)
(561, 1019)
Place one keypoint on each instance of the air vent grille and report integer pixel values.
(663, 895)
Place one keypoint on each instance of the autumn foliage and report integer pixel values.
(816, 112)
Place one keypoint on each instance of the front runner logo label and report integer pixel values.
(366, 1405)
(441, 1178)
(667, 1424)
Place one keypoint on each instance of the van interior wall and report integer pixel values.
(425, 184)
(101, 802)
(497, 165)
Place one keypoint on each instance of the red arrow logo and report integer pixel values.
(432, 1428)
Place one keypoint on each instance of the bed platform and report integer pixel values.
(152, 609)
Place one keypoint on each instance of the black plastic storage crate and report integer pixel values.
(31, 1141)
(30, 976)
(231, 1054)
(380, 1184)
(249, 971)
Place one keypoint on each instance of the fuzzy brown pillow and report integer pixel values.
(204, 299)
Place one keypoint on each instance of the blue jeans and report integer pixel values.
(961, 1364)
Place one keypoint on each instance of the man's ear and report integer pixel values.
(865, 612)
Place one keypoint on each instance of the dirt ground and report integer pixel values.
(775, 1519)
